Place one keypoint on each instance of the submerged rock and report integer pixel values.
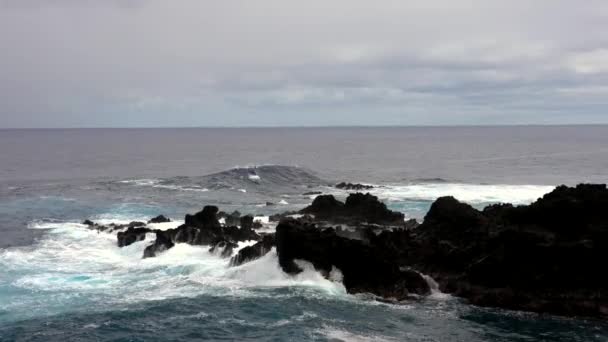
(353, 186)
(310, 193)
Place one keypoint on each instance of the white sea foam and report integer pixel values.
(262, 219)
(157, 183)
(254, 177)
(166, 225)
(471, 193)
(72, 261)
(435, 292)
(283, 202)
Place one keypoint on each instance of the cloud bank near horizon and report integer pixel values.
(69, 63)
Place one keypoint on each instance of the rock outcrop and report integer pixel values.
(365, 266)
(544, 257)
(204, 228)
(358, 208)
(253, 252)
(159, 219)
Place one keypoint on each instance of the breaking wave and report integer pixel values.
(74, 268)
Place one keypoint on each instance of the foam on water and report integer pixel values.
(470, 193)
(72, 265)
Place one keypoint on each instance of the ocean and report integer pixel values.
(60, 281)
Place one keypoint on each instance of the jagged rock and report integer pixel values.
(544, 257)
(310, 193)
(355, 186)
(202, 228)
(88, 223)
(232, 219)
(364, 266)
(134, 224)
(253, 252)
(223, 247)
(246, 222)
(206, 218)
(131, 235)
(162, 243)
(159, 219)
(357, 209)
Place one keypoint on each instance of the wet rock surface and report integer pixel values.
(545, 257)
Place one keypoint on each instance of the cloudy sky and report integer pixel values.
(140, 63)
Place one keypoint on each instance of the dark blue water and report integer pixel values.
(60, 281)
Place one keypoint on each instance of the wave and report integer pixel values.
(73, 267)
(470, 193)
(261, 178)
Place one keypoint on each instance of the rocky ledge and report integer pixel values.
(545, 257)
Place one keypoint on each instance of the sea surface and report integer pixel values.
(62, 282)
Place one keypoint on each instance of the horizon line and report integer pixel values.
(313, 126)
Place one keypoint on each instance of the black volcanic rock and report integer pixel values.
(131, 235)
(544, 257)
(246, 222)
(224, 248)
(253, 252)
(365, 267)
(162, 243)
(206, 218)
(159, 219)
(202, 229)
(324, 207)
(357, 209)
(232, 219)
(355, 186)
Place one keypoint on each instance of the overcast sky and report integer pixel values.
(125, 63)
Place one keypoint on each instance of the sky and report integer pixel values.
(158, 63)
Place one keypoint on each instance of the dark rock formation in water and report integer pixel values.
(164, 240)
(159, 219)
(256, 251)
(357, 208)
(310, 193)
(544, 257)
(204, 228)
(232, 219)
(132, 235)
(353, 186)
(112, 226)
(365, 267)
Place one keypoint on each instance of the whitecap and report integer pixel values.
(470, 193)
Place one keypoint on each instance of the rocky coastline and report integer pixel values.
(546, 257)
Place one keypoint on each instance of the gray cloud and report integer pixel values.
(271, 62)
